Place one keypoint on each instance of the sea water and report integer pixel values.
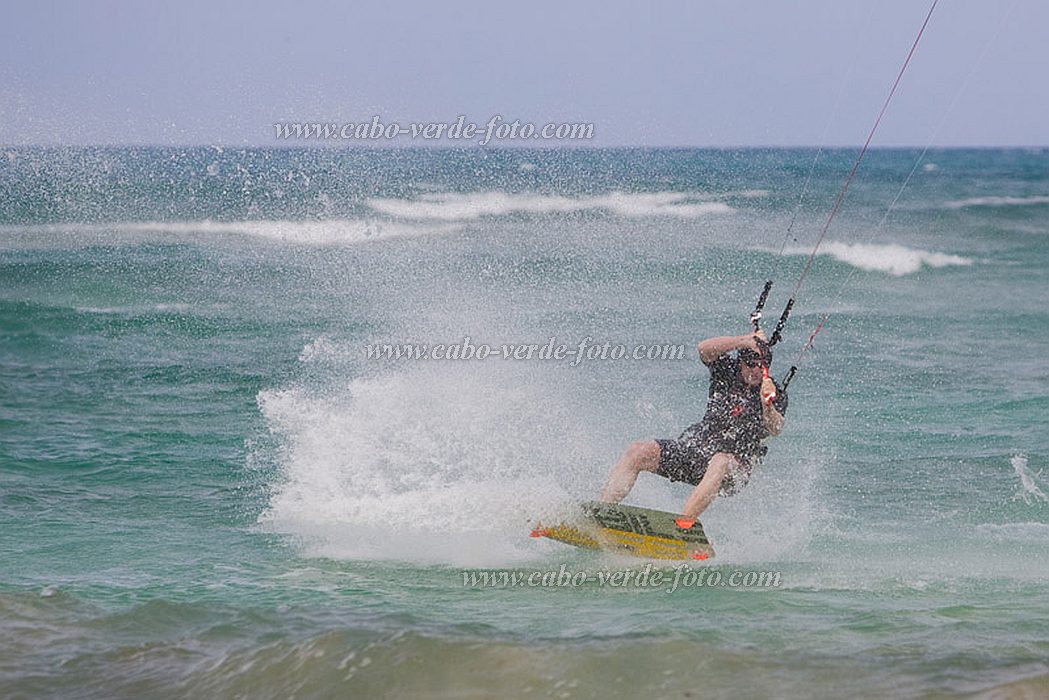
(207, 487)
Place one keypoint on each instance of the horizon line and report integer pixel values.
(447, 147)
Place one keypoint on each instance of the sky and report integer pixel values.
(715, 73)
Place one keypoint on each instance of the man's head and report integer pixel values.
(752, 364)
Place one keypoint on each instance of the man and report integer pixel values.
(744, 407)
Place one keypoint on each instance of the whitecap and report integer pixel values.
(455, 206)
(891, 258)
(315, 232)
(997, 201)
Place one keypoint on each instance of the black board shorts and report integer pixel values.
(684, 459)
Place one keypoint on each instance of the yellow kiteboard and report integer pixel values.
(651, 534)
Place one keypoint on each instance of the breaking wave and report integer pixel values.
(890, 258)
(454, 206)
(993, 201)
(319, 232)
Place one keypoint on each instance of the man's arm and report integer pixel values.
(713, 348)
(772, 418)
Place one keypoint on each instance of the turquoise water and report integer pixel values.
(209, 489)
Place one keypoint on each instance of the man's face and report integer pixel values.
(752, 371)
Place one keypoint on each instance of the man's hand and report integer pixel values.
(773, 419)
(768, 390)
(713, 348)
(749, 341)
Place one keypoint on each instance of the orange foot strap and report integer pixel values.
(685, 523)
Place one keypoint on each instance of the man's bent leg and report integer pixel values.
(707, 489)
(639, 457)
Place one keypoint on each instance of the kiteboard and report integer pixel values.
(640, 532)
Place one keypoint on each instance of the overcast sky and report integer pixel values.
(700, 73)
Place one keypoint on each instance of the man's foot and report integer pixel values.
(685, 523)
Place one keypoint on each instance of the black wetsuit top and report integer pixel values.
(733, 423)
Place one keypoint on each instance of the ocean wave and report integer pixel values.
(137, 309)
(997, 201)
(455, 206)
(891, 258)
(319, 232)
(344, 230)
(1022, 532)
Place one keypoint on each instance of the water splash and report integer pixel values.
(440, 463)
(1030, 492)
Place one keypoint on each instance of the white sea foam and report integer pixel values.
(319, 348)
(453, 206)
(774, 518)
(138, 309)
(322, 232)
(890, 258)
(1031, 492)
(317, 232)
(994, 201)
(429, 465)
